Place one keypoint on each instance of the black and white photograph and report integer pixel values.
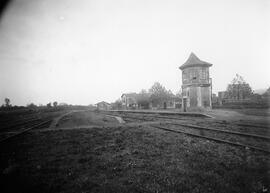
(135, 96)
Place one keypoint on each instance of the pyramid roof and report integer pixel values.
(193, 60)
(132, 94)
(103, 102)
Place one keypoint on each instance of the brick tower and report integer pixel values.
(196, 84)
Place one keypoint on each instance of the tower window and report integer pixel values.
(203, 74)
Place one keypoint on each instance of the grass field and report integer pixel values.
(127, 159)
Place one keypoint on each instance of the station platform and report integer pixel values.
(164, 112)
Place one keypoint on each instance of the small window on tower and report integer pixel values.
(194, 78)
(203, 74)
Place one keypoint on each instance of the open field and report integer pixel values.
(92, 152)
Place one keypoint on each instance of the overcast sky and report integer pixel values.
(85, 51)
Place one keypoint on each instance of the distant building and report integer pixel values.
(129, 100)
(214, 99)
(103, 106)
(166, 103)
(139, 101)
(170, 103)
(222, 96)
(196, 84)
(178, 102)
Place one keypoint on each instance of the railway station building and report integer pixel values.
(129, 100)
(103, 106)
(196, 84)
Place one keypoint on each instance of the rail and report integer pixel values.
(213, 139)
(24, 131)
(223, 131)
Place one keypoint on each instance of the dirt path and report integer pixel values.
(119, 119)
(56, 120)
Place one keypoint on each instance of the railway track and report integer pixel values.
(6, 121)
(199, 127)
(226, 133)
(132, 115)
(214, 139)
(18, 123)
(223, 131)
(6, 136)
(16, 126)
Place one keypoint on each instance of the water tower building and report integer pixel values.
(196, 84)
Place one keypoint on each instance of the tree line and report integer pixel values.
(7, 104)
(239, 89)
(156, 95)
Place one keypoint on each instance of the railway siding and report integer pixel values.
(218, 140)
(188, 114)
(223, 131)
(219, 134)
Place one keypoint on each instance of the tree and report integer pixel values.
(239, 89)
(63, 104)
(7, 102)
(49, 105)
(117, 104)
(267, 93)
(32, 106)
(170, 94)
(159, 94)
(143, 91)
(179, 94)
(143, 99)
(55, 104)
(157, 88)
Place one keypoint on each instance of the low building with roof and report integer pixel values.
(143, 101)
(103, 106)
(129, 100)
